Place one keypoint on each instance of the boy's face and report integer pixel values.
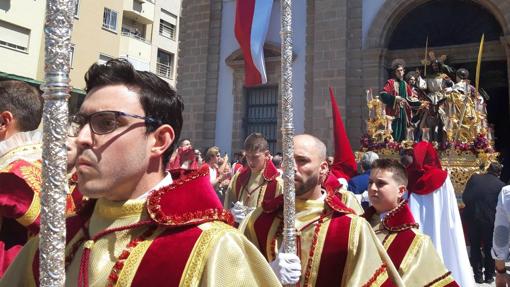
(256, 160)
(384, 191)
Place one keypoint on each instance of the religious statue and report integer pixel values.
(397, 95)
(436, 86)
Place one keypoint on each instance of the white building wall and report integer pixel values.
(224, 120)
(166, 44)
(28, 14)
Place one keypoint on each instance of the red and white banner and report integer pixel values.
(251, 25)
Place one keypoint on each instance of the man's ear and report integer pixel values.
(324, 170)
(6, 119)
(6, 123)
(401, 190)
(164, 136)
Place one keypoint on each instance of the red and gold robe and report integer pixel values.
(254, 188)
(411, 252)
(20, 188)
(336, 247)
(179, 236)
(20, 185)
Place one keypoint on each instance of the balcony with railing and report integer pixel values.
(135, 34)
(164, 70)
(135, 45)
(141, 10)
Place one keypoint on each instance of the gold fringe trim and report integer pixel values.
(32, 212)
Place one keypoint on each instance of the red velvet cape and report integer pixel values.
(180, 207)
(389, 88)
(401, 221)
(20, 185)
(335, 250)
(270, 174)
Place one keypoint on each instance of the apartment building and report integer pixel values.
(165, 39)
(21, 37)
(102, 30)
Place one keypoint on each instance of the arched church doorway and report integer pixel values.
(454, 28)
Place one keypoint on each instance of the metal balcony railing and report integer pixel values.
(164, 71)
(135, 35)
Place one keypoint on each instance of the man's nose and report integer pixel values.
(84, 137)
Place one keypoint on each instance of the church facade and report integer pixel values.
(344, 44)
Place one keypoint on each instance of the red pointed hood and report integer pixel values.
(344, 164)
(425, 173)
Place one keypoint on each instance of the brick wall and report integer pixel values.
(198, 68)
(326, 65)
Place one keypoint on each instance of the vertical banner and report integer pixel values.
(251, 25)
(58, 28)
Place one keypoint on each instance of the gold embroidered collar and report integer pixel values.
(116, 209)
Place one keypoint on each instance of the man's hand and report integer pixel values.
(287, 268)
(501, 279)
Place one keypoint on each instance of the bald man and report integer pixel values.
(336, 247)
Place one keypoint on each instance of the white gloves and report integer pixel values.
(287, 268)
(239, 212)
(362, 197)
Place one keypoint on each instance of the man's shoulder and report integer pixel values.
(505, 193)
(211, 227)
(351, 219)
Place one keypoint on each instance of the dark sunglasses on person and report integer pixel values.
(103, 122)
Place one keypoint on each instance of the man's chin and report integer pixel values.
(90, 191)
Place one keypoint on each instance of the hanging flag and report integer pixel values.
(251, 25)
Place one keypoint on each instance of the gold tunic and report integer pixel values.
(365, 253)
(224, 256)
(252, 194)
(421, 265)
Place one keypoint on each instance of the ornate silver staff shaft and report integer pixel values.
(289, 211)
(58, 27)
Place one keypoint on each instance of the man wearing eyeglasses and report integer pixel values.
(141, 227)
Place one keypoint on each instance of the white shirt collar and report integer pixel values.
(382, 215)
(167, 180)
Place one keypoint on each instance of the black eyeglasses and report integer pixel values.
(103, 122)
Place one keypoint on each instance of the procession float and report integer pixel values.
(451, 115)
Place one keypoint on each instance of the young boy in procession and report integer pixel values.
(140, 226)
(255, 184)
(411, 252)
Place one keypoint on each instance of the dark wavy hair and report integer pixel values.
(158, 99)
(398, 170)
(24, 102)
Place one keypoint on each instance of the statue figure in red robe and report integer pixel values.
(397, 95)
